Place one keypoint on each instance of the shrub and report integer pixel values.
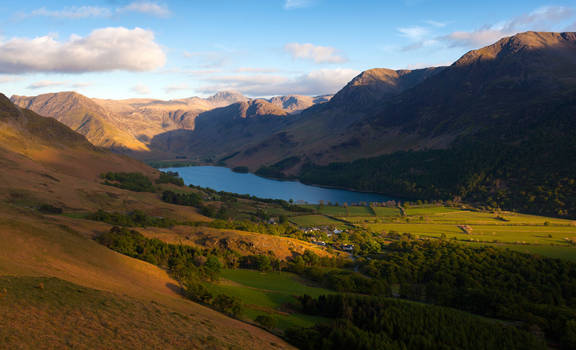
(136, 182)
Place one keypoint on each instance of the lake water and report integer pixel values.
(224, 179)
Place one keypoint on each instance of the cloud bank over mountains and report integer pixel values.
(319, 82)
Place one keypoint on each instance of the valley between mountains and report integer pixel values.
(471, 130)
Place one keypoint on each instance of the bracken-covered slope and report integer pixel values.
(83, 116)
(110, 297)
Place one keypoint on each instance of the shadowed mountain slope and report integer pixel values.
(510, 109)
(225, 129)
(327, 132)
(146, 118)
(517, 81)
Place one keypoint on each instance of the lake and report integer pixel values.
(224, 179)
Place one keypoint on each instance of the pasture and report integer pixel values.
(529, 233)
(268, 293)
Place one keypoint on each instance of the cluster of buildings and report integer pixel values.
(329, 232)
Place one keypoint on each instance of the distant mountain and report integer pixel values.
(297, 103)
(84, 116)
(225, 98)
(130, 125)
(222, 130)
(146, 118)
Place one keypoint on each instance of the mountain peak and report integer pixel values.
(518, 43)
(375, 75)
(227, 97)
(374, 84)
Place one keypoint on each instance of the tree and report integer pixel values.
(266, 321)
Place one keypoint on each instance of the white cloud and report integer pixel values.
(538, 20)
(146, 7)
(141, 89)
(294, 4)
(413, 33)
(106, 49)
(9, 79)
(319, 82)
(80, 85)
(77, 12)
(436, 24)
(177, 87)
(255, 70)
(72, 12)
(318, 54)
(45, 84)
(418, 35)
(49, 84)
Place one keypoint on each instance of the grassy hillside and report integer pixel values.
(40, 312)
(47, 165)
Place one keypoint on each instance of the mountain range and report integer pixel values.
(131, 125)
(383, 111)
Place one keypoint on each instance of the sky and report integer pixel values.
(175, 49)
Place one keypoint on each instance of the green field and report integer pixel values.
(385, 211)
(268, 293)
(314, 220)
(550, 236)
(338, 211)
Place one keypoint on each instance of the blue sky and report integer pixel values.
(172, 49)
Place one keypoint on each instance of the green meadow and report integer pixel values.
(315, 220)
(268, 293)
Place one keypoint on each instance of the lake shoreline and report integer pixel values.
(291, 179)
(296, 190)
